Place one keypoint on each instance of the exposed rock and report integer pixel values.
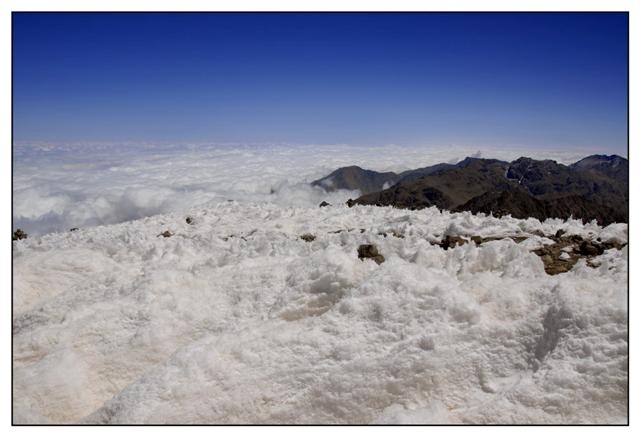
(165, 234)
(450, 241)
(518, 238)
(547, 259)
(476, 239)
(350, 202)
(189, 220)
(323, 204)
(73, 229)
(308, 237)
(575, 238)
(560, 233)
(555, 259)
(589, 248)
(370, 251)
(19, 234)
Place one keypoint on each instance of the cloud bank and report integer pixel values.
(57, 187)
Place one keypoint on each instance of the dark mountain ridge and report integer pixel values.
(596, 187)
(369, 181)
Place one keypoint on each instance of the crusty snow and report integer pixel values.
(235, 319)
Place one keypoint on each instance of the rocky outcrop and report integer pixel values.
(308, 237)
(370, 251)
(19, 234)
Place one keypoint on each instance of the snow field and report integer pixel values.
(234, 319)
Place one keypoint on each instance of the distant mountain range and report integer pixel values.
(596, 187)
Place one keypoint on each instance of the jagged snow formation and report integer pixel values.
(235, 319)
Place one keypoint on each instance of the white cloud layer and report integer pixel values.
(59, 187)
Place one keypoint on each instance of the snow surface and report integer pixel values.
(235, 319)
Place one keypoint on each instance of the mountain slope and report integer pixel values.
(612, 166)
(593, 188)
(356, 178)
(451, 186)
(520, 204)
(369, 181)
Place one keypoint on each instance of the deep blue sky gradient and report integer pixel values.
(538, 80)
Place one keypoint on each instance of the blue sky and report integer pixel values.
(536, 80)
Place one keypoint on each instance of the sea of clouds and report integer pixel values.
(58, 187)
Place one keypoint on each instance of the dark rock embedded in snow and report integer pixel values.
(476, 239)
(189, 221)
(452, 241)
(589, 248)
(370, 251)
(73, 229)
(350, 203)
(165, 234)
(323, 204)
(307, 237)
(19, 234)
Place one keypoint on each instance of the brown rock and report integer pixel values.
(19, 234)
(165, 234)
(590, 249)
(370, 251)
(308, 237)
(452, 241)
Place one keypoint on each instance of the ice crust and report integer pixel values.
(235, 319)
